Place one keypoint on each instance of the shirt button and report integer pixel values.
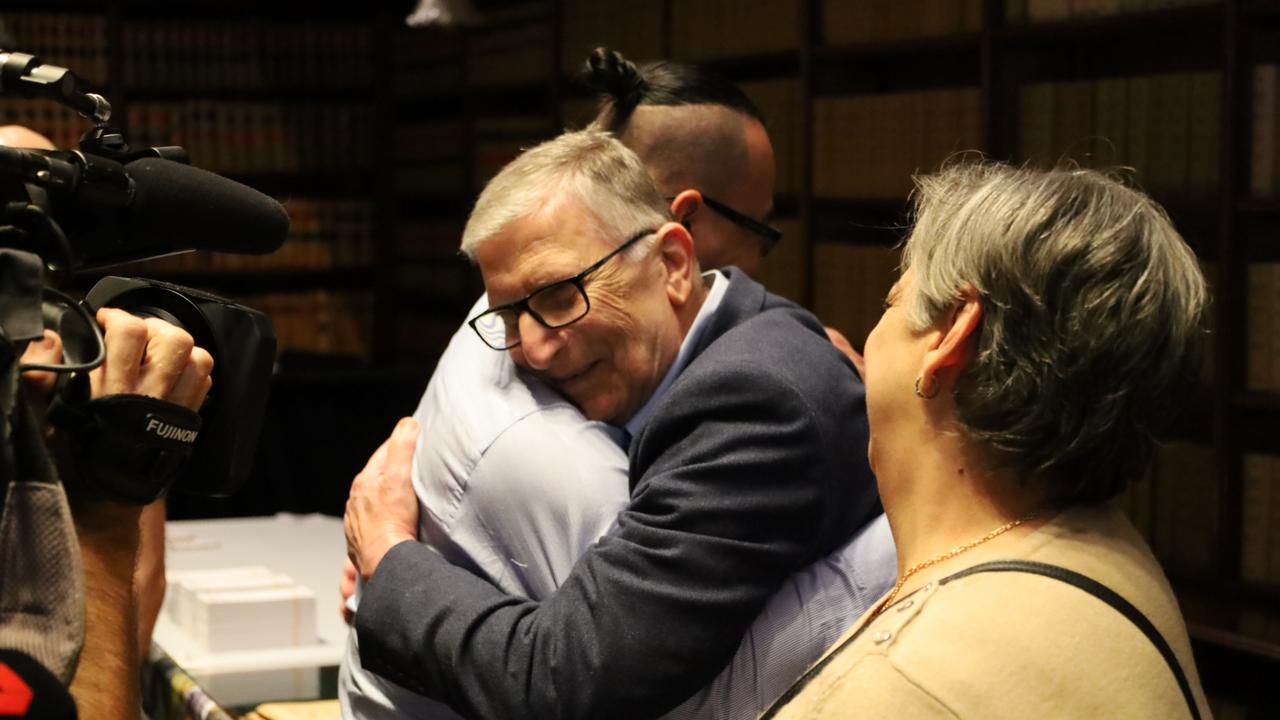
(906, 605)
(882, 637)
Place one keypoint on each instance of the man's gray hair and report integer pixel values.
(589, 168)
(1093, 310)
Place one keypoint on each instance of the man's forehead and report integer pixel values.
(540, 249)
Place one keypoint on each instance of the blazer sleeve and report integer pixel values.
(738, 479)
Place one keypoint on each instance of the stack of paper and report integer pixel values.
(241, 608)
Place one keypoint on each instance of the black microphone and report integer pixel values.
(184, 207)
(147, 208)
(28, 690)
(28, 76)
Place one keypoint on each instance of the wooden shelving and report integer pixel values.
(430, 79)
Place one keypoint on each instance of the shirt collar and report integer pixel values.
(719, 284)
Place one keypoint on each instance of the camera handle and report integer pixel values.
(131, 447)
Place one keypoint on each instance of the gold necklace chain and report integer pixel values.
(947, 556)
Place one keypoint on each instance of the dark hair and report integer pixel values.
(623, 87)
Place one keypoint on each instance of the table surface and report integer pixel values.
(308, 548)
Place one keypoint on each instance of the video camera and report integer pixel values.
(63, 212)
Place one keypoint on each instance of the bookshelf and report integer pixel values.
(280, 103)
(293, 99)
(857, 97)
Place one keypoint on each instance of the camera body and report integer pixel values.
(242, 342)
(106, 204)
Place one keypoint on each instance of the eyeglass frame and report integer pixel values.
(768, 233)
(522, 305)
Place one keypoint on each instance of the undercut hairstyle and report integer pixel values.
(622, 87)
(1092, 323)
(589, 169)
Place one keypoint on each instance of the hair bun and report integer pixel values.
(609, 73)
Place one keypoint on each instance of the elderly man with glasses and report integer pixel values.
(745, 431)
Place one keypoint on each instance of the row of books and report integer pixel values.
(319, 321)
(424, 337)
(1264, 152)
(780, 101)
(1176, 508)
(61, 125)
(850, 282)
(430, 141)
(245, 55)
(866, 21)
(323, 235)
(498, 138)
(783, 270)
(428, 240)
(415, 47)
(632, 27)
(440, 292)
(1260, 519)
(869, 146)
(454, 176)
(440, 178)
(258, 137)
(414, 83)
(1262, 327)
(453, 281)
(76, 41)
(1166, 126)
(512, 56)
(461, 176)
(715, 29)
(1037, 11)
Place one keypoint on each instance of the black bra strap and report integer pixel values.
(1103, 593)
(1084, 582)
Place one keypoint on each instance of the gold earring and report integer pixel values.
(936, 387)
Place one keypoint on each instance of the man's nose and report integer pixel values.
(538, 343)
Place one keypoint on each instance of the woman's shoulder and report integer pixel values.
(1008, 644)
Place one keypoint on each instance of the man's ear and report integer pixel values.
(956, 338)
(684, 205)
(675, 249)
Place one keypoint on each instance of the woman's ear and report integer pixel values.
(675, 248)
(956, 338)
(684, 205)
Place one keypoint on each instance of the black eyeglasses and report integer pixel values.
(561, 303)
(768, 233)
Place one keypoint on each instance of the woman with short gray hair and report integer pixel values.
(1045, 328)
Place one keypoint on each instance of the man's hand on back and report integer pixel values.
(843, 345)
(382, 510)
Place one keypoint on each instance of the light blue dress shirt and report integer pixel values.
(515, 485)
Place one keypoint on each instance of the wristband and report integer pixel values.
(130, 446)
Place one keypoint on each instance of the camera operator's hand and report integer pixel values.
(382, 510)
(148, 356)
(143, 357)
(38, 384)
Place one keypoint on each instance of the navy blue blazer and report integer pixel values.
(752, 466)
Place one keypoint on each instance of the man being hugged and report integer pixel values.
(745, 435)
